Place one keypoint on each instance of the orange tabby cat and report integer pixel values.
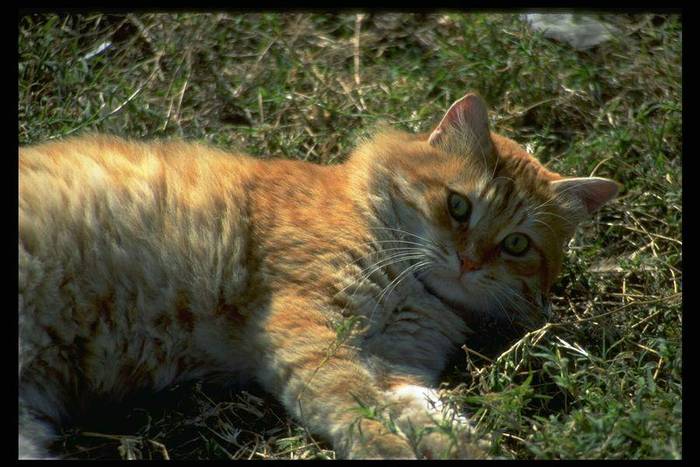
(143, 264)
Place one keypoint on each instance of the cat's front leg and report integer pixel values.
(322, 381)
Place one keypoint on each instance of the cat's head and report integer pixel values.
(491, 221)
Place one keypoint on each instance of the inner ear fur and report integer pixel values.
(591, 192)
(464, 129)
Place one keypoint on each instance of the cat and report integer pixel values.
(336, 287)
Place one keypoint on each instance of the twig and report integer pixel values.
(611, 224)
(517, 438)
(120, 106)
(467, 349)
(527, 109)
(170, 88)
(358, 27)
(539, 333)
(141, 27)
(147, 37)
(658, 368)
(645, 319)
(92, 434)
(675, 285)
(645, 302)
(595, 169)
(253, 69)
(163, 450)
(260, 107)
(348, 91)
(188, 59)
(653, 244)
(161, 447)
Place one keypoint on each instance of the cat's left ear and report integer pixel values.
(465, 128)
(592, 192)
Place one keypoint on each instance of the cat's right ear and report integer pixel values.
(465, 128)
(590, 193)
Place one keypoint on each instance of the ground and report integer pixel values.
(602, 380)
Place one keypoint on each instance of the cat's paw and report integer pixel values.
(433, 429)
(372, 439)
(448, 441)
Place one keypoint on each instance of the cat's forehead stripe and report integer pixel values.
(480, 201)
(495, 197)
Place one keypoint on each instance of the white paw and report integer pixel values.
(436, 429)
(430, 401)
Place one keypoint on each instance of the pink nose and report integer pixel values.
(469, 265)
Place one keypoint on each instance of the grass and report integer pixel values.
(602, 380)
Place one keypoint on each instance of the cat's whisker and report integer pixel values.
(538, 221)
(539, 214)
(387, 291)
(383, 263)
(439, 250)
(495, 169)
(513, 294)
(556, 197)
(514, 305)
(388, 261)
(358, 283)
(493, 295)
(395, 259)
(402, 231)
(430, 241)
(398, 253)
(396, 282)
(358, 247)
(404, 253)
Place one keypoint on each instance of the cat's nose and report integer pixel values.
(468, 264)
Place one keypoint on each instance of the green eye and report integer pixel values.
(516, 244)
(459, 206)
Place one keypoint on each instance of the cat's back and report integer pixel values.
(96, 181)
(119, 239)
(111, 163)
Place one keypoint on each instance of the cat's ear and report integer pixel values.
(591, 192)
(464, 128)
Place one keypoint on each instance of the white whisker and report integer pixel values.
(431, 242)
(500, 305)
(395, 283)
(413, 253)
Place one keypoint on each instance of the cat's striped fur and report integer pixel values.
(143, 264)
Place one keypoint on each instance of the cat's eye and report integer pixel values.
(516, 244)
(459, 206)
